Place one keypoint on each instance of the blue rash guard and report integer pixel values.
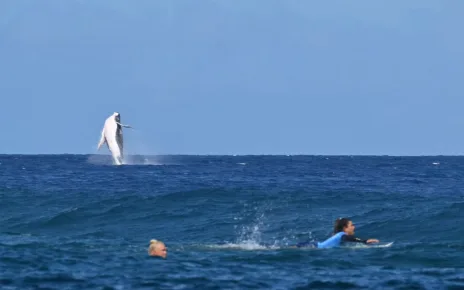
(334, 241)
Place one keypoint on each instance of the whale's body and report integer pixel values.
(112, 136)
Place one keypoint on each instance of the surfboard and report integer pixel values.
(381, 245)
(364, 246)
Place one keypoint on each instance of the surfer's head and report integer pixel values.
(157, 248)
(344, 225)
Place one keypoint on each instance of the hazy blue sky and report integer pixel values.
(234, 77)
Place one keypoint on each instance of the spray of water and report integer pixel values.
(136, 152)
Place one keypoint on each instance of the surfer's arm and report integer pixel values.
(351, 238)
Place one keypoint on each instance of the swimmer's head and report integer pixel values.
(157, 248)
(344, 225)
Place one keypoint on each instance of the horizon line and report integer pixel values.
(233, 155)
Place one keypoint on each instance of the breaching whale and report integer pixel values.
(112, 136)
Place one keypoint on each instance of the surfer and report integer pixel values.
(157, 249)
(343, 232)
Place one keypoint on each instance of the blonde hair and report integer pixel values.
(153, 244)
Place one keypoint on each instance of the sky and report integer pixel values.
(233, 77)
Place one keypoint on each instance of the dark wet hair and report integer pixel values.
(340, 223)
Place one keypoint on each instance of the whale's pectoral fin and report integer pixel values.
(125, 126)
(102, 141)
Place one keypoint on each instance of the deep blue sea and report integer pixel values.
(78, 222)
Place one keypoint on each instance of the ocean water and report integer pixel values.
(78, 222)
